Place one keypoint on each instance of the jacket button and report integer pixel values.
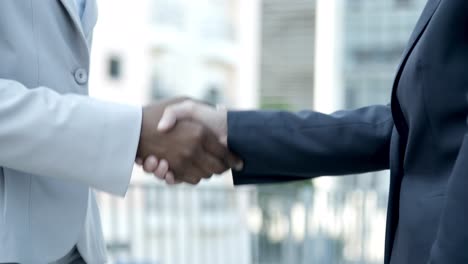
(81, 76)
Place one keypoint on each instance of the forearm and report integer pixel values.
(282, 146)
(68, 136)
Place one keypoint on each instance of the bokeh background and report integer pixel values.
(292, 55)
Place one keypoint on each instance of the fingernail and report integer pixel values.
(151, 160)
(223, 141)
(162, 177)
(162, 125)
(239, 166)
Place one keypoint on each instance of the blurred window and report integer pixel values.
(355, 5)
(376, 92)
(169, 13)
(213, 95)
(403, 3)
(217, 22)
(115, 67)
(382, 55)
(158, 90)
(216, 201)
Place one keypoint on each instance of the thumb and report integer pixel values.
(223, 140)
(167, 121)
(175, 112)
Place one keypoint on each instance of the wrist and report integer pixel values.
(143, 131)
(223, 119)
(148, 133)
(222, 122)
(224, 126)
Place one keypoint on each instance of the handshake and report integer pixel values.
(184, 141)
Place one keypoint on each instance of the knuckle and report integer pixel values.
(220, 170)
(190, 180)
(188, 153)
(180, 177)
(184, 99)
(195, 178)
(183, 172)
(196, 181)
(189, 105)
(198, 132)
(169, 111)
(177, 167)
(175, 164)
(216, 168)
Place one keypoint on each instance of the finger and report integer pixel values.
(193, 175)
(150, 164)
(176, 112)
(233, 161)
(171, 179)
(207, 164)
(216, 148)
(170, 174)
(199, 175)
(159, 176)
(210, 164)
(167, 121)
(161, 169)
(139, 161)
(224, 141)
(202, 172)
(156, 171)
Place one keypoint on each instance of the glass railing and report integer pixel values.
(177, 225)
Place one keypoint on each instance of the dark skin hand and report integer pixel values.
(193, 150)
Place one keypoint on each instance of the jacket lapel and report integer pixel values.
(86, 24)
(424, 19)
(73, 14)
(402, 128)
(421, 25)
(90, 16)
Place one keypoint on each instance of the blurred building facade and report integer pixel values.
(156, 49)
(287, 53)
(359, 45)
(369, 38)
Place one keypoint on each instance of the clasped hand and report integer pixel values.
(184, 141)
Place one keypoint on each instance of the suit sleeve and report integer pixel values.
(284, 146)
(452, 237)
(70, 137)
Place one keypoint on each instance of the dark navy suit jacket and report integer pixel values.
(420, 137)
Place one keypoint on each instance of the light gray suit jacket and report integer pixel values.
(55, 142)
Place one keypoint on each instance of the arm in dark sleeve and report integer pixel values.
(284, 146)
(451, 242)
